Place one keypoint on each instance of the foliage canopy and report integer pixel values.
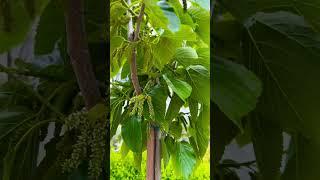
(173, 70)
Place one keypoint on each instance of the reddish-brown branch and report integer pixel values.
(153, 155)
(157, 154)
(133, 63)
(79, 53)
(150, 154)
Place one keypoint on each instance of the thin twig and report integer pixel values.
(123, 2)
(236, 165)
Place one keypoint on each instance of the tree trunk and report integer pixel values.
(79, 53)
(153, 155)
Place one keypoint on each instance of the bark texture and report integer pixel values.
(79, 53)
(153, 155)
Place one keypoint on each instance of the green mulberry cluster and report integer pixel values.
(151, 110)
(98, 148)
(90, 144)
(138, 102)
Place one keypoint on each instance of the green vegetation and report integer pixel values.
(124, 168)
(160, 51)
(160, 58)
(265, 68)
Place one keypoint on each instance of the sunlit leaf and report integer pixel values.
(199, 79)
(131, 133)
(183, 159)
(181, 88)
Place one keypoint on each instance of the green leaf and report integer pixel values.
(287, 63)
(201, 17)
(16, 20)
(97, 111)
(181, 88)
(223, 131)
(159, 96)
(11, 120)
(131, 133)
(35, 7)
(8, 115)
(185, 33)
(124, 150)
(244, 138)
(175, 129)
(156, 14)
(47, 169)
(115, 116)
(202, 134)
(115, 42)
(164, 153)
(268, 146)
(119, 53)
(43, 69)
(125, 71)
(8, 165)
(137, 160)
(194, 108)
(165, 46)
(170, 144)
(183, 159)
(203, 57)
(51, 28)
(15, 24)
(227, 29)
(144, 129)
(27, 152)
(186, 56)
(95, 20)
(174, 108)
(185, 18)
(199, 79)
(309, 9)
(167, 9)
(235, 89)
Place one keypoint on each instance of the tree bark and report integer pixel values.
(79, 53)
(153, 155)
(150, 154)
(157, 159)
